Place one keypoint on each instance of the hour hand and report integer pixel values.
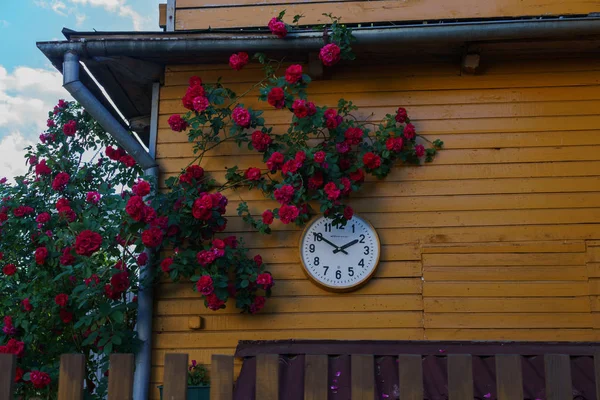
(342, 249)
(319, 236)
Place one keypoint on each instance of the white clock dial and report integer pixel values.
(339, 258)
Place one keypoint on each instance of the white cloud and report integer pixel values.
(4, 23)
(121, 8)
(12, 148)
(80, 19)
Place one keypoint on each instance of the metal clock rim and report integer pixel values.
(335, 289)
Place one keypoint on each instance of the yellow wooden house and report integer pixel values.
(498, 239)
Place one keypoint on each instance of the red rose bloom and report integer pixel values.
(177, 123)
(343, 147)
(9, 269)
(303, 108)
(330, 54)
(275, 162)
(253, 174)
(22, 211)
(50, 123)
(231, 241)
(409, 131)
(142, 259)
(191, 93)
(70, 128)
(67, 258)
(348, 213)
(288, 214)
(152, 237)
(60, 181)
(19, 372)
(213, 302)
(195, 81)
(87, 243)
(371, 160)
(267, 217)
(39, 379)
(266, 280)
(284, 194)
(401, 115)
(277, 27)
(26, 305)
(241, 117)
(92, 197)
(394, 144)
(202, 208)
(260, 141)
(320, 157)
(136, 208)
(41, 253)
(346, 185)
(291, 166)
(276, 97)
(165, 265)
(333, 193)
(13, 346)
(120, 281)
(141, 188)
(237, 61)
(332, 119)
(300, 156)
(61, 300)
(62, 204)
(65, 316)
(200, 103)
(205, 285)
(94, 279)
(205, 257)
(259, 303)
(293, 73)
(258, 260)
(419, 150)
(354, 135)
(128, 161)
(3, 217)
(42, 168)
(315, 181)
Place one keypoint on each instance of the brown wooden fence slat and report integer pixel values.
(221, 382)
(410, 368)
(8, 363)
(597, 372)
(175, 377)
(315, 377)
(72, 374)
(460, 377)
(363, 377)
(120, 379)
(558, 377)
(509, 377)
(267, 376)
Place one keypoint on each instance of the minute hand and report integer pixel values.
(337, 249)
(352, 243)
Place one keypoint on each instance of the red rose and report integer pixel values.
(165, 265)
(65, 316)
(315, 181)
(348, 213)
(319, 157)
(173, 230)
(41, 253)
(22, 211)
(115, 154)
(253, 174)
(61, 300)
(120, 281)
(142, 259)
(87, 243)
(70, 128)
(259, 303)
(13, 346)
(141, 188)
(237, 61)
(371, 160)
(152, 237)
(258, 260)
(9, 269)
(200, 103)
(276, 97)
(354, 135)
(195, 171)
(19, 372)
(401, 115)
(419, 150)
(26, 305)
(136, 208)
(288, 214)
(128, 161)
(205, 257)
(290, 166)
(39, 379)
(409, 131)
(67, 258)
(177, 123)
(231, 241)
(300, 156)
(260, 141)
(94, 279)
(202, 208)
(213, 302)
(92, 197)
(293, 73)
(330, 54)
(60, 181)
(277, 27)
(394, 144)
(303, 108)
(3, 217)
(275, 162)
(343, 147)
(42, 168)
(267, 217)
(284, 194)
(191, 93)
(346, 185)
(332, 119)
(205, 285)
(241, 117)
(62, 204)
(333, 193)
(266, 280)
(50, 123)
(195, 81)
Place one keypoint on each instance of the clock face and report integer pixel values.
(339, 258)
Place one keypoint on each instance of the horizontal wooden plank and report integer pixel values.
(553, 335)
(385, 269)
(460, 260)
(508, 289)
(322, 320)
(202, 356)
(506, 304)
(230, 339)
(593, 254)
(593, 270)
(514, 247)
(595, 304)
(508, 320)
(366, 11)
(594, 286)
(513, 273)
(339, 303)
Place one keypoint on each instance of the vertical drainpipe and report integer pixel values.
(126, 140)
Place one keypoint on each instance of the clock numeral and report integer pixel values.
(361, 263)
(311, 248)
(328, 227)
(316, 261)
(362, 238)
(367, 250)
(352, 228)
(326, 269)
(318, 237)
(338, 274)
(350, 271)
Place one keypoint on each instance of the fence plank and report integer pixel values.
(460, 377)
(267, 376)
(71, 376)
(175, 377)
(558, 377)
(120, 379)
(509, 377)
(597, 372)
(8, 363)
(315, 377)
(410, 368)
(363, 377)
(221, 383)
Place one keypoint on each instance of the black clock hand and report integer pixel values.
(352, 243)
(319, 236)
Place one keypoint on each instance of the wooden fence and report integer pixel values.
(509, 378)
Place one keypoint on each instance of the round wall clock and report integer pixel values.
(339, 258)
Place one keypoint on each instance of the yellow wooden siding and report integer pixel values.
(201, 14)
(497, 239)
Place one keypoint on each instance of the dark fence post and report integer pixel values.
(410, 368)
(71, 376)
(221, 374)
(175, 377)
(8, 363)
(120, 379)
(267, 377)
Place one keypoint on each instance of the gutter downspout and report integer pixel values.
(93, 106)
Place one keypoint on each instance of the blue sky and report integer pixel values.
(29, 85)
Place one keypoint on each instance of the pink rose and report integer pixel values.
(176, 123)
(241, 117)
(237, 61)
(277, 27)
(288, 214)
(293, 74)
(330, 54)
